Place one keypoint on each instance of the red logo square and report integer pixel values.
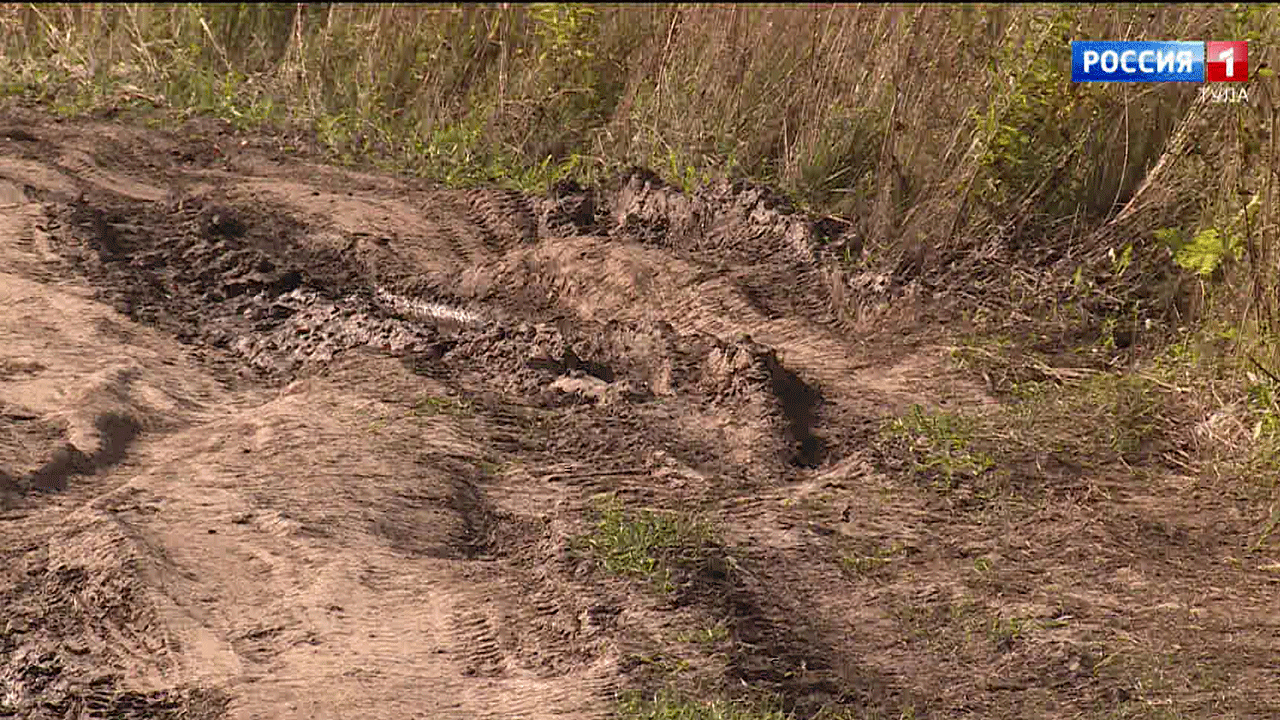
(1226, 61)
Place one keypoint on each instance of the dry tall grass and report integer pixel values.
(950, 139)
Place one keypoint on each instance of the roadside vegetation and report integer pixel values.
(1106, 257)
(945, 143)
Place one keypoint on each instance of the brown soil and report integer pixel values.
(285, 440)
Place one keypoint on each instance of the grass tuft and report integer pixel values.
(940, 445)
(644, 544)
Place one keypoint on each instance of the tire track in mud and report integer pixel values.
(602, 280)
(483, 656)
(267, 631)
(767, 625)
(719, 306)
(81, 165)
(505, 218)
(255, 642)
(632, 361)
(80, 624)
(778, 636)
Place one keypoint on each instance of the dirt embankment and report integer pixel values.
(283, 440)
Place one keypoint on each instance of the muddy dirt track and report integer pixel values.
(282, 440)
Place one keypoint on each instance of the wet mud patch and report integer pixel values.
(183, 271)
(283, 238)
(232, 279)
(214, 277)
(302, 328)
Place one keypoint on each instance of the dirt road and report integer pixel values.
(283, 440)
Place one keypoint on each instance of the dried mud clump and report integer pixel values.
(737, 220)
(642, 359)
(303, 328)
(569, 209)
(738, 368)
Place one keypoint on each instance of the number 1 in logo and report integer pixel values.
(1226, 61)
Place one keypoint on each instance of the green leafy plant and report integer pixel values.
(1026, 124)
(1207, 251)
(564, 30)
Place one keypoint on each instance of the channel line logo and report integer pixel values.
(1159, 61)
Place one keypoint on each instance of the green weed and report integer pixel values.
(644, 544)
(874, 563)
(940, 444)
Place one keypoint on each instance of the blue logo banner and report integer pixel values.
(1136, 61)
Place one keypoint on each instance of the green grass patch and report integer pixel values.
(1203, 404)
(1001, 631)
(940, 445)
(967, 626)
(644, 544)
(1085, 415)
(1123, 412)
